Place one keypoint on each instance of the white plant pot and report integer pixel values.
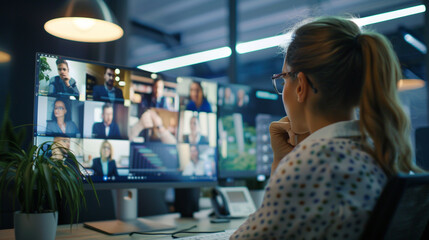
(35, 226)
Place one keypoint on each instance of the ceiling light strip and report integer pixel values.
(265, 43)
(187, 60)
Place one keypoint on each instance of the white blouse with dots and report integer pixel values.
(324, 189)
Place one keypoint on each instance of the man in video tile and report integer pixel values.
(108, 128)
(108, 92)
(63, 84)
(157, 98)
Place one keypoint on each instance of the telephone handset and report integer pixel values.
(232, 202)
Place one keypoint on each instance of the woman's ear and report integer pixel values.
(302, 87)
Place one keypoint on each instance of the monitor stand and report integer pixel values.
(126, 214)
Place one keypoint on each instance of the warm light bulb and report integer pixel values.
(83, 24)
(4, 57)
(117, 78)
(117, 71)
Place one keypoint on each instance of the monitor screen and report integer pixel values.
(244, 116)
(127, 127)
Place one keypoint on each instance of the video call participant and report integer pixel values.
(329, 169)
(108, 128)
(151, 127)
(61, 123)
(63, 84)
(195, 167)
(60, 149)
(195, 137)
(105, 165)
(157, 99)
(107, 92)
(197, 101)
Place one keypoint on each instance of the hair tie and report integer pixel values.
(355, 40)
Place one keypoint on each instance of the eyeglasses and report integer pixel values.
(59, 108)
(279, 81)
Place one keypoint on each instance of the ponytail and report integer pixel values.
(382, 118)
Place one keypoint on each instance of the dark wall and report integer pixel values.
(22, 35)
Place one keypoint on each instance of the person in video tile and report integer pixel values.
(151, 127)
(197, 100)
(59, 151)
(195, 136)
(63, 84)
(157, 98)
(195, 167)
(108, 92)
(108, 128)
(61, 123)
(105, 165)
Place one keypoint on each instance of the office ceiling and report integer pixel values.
(164, 29)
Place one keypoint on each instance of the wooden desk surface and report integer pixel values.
(200, 219)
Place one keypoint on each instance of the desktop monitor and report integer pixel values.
(244, 116)
(128, 128)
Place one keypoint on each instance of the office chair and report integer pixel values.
(422, 150)
(402, 211)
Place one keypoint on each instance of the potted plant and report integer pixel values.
(38, 178)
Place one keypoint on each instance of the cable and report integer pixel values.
(173, 234)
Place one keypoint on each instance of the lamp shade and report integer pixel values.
(85, 21)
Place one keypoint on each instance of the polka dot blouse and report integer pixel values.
(324, 189)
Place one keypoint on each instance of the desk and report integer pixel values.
(200, 219)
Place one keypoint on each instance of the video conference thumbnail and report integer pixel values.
(243, 130)
(199, 96)
(77, 80)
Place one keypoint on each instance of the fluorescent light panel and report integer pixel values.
(265, 43)
(187, 60)
(415, 43)
(387, 16)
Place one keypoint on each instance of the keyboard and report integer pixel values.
(214, 236)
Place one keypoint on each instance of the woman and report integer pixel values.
(326, 186)
(195, 137)
(63, 84)
(61, 123)
(105, 165)
(197, 100)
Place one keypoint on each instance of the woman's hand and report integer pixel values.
(283, 140)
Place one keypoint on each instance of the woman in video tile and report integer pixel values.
(197, 100)
(61, 123)
(105, 165)
(195, 137)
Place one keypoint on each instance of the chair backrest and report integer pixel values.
(422, 149)
(402, 211)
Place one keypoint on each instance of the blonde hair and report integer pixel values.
(352, 68)
(109, 158)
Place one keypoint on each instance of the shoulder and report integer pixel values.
(191, 105)
(51, 122)
(333, 157)
(98, 88)
(53, 79)
(97, 125)
(71, 123)
(96, 161)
